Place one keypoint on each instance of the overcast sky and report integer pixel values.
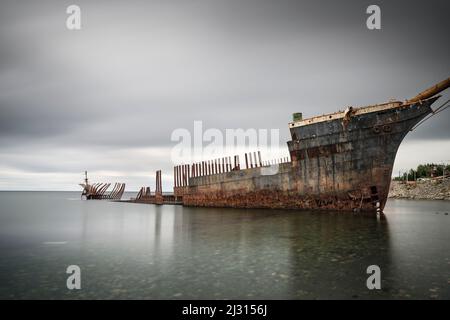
(106, 98)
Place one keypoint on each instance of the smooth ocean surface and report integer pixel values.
(136, 251)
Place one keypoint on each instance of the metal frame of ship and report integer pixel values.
(99, 191)
(339, 161)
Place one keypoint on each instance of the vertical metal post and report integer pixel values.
(156, 181)
(188, 173)
(184, 175)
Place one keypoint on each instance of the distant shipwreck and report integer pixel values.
(99, 191)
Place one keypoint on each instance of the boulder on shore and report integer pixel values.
(433, 189)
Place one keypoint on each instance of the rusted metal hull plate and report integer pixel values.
(275, 200)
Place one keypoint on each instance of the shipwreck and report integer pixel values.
(338, 161)
(99, 191)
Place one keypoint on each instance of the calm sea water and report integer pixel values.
(135, 251)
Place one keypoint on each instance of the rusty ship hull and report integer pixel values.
(339, 161)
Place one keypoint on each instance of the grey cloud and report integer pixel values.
(140, 69)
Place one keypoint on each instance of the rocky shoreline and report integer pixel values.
(437, 189)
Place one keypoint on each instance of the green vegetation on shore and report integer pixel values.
(428, 170)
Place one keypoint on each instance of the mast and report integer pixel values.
(430, 92)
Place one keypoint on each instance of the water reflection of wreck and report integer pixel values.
(99, 191)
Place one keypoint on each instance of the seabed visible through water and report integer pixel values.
(137, 251)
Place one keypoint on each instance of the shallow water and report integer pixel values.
(136, 251)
